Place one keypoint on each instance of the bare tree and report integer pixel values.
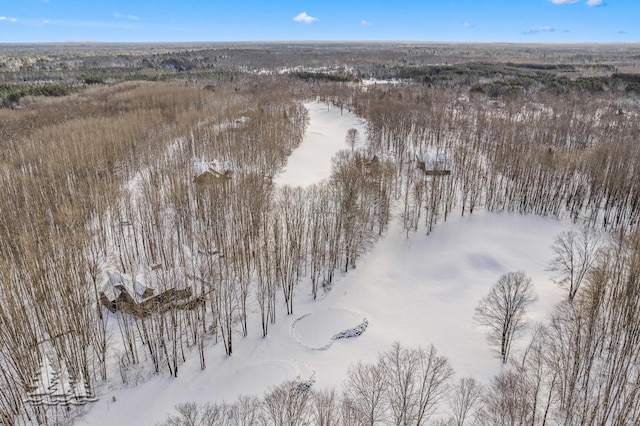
(363, 394)
(319, 224)
(190, 414)
(507, 402)
(502, 310)
(417, 381)
(325, 408)
(541, 381)
(266, 275)
(352, 138)
(465, 401)
(287, 405)
(246, 411)
(576, 253)
(399, 366)
(290, 241)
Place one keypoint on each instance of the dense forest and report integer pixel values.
(121, 248)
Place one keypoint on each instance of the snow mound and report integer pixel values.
(319, 330)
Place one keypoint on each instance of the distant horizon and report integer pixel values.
(252, 21)
(258, 42)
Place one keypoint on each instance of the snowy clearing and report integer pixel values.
(423, 290)
(324, 136)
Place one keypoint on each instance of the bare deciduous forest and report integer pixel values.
(140, 222)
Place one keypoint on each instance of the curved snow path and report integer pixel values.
(319, 330)
(310, 163)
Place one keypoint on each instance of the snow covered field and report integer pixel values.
(311, 162)
(419, 290)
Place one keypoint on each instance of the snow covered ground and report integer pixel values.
(419, 290)
(325, 135)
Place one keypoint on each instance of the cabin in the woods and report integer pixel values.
(131, 296)
(123, 293)
(434, 164)
(211, 172)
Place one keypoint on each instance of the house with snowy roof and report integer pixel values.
(212, 172)
(434, 164)
(121, 293)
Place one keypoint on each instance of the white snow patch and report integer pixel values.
(324, 136)
(375, 81)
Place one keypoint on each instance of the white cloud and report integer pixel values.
(365, 23)
(4, 18)
(564, 1)
(545, 29)
(303, 17)
(594, 3)
(45, 21)
(468, 24)
(119, 15)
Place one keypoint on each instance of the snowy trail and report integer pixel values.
(325, 135)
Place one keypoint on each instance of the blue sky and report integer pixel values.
(249, 20)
